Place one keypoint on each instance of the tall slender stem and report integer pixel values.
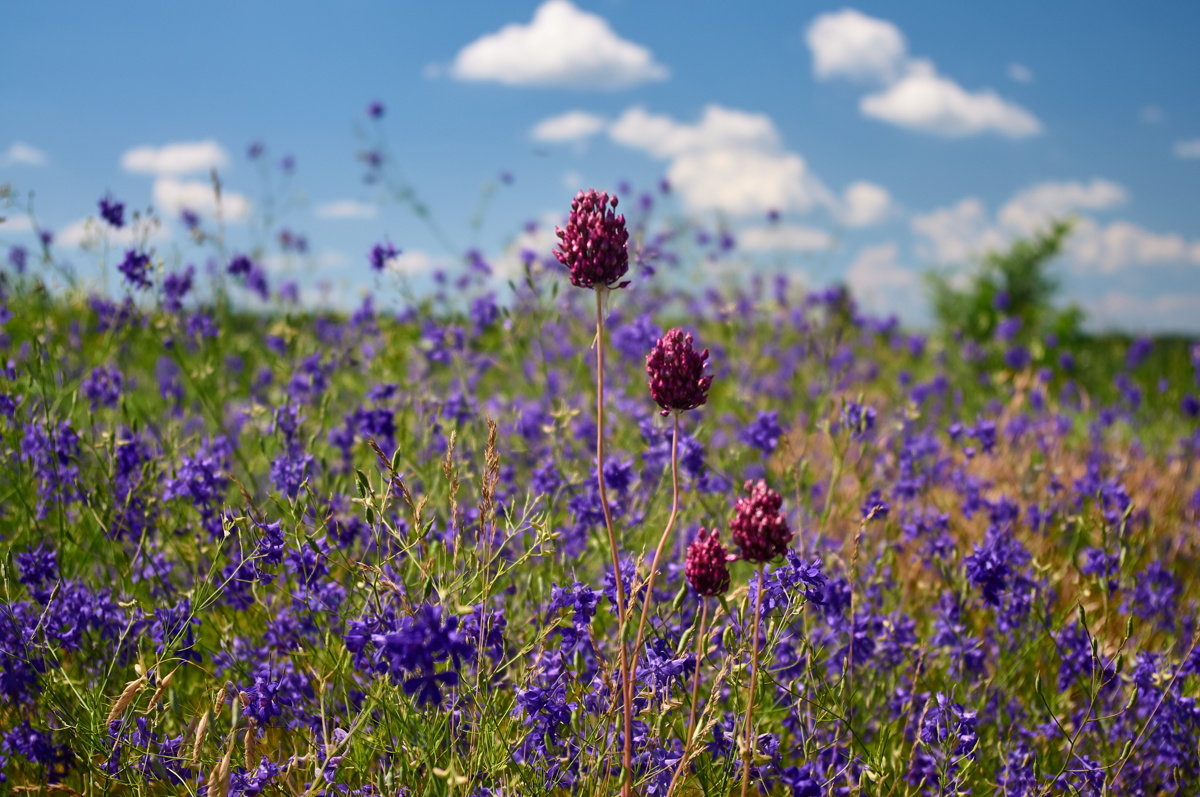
(662, 544)
(701, 648)
(748, 749)
(627, 707)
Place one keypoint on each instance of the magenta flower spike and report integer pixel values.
(593, 246)
(676, 371)
(707, 564)
(759, 528)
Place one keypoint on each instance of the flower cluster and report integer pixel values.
(676, 371)
(594, 244)
(759, 528)
(707, 564)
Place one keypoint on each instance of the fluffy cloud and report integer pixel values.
(864, 204)
(1168, 312)
(850, 44)
(878, 280)
(1037, 205)
(966, 230)
(1188, 149)
(561, 46)
(729, 161)
(345, 209)
(956, 233)
(784, 237)
(15, 224)
(1122, 244)
(718, 128)
(539, 240)
(22, 153)
(184, 157)
(172, 196)
(926, 101)
(91, 231)
(413, 264)
(569, 126)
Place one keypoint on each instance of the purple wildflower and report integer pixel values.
(112, 211)
(763, 432)
(135, 267)
(381, 253)
(102, 387)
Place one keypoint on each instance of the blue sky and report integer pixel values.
(891, 137)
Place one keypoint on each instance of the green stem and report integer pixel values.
(662, 544)
(627, 707)
(748, 749)
(691, 726)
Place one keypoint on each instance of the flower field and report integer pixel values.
(249, 548)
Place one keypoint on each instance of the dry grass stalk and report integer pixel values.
(127, 696)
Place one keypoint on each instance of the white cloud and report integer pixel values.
(956, 233)
(25, 154)
(745, 181)
(510, 264)
(172, 196)
(718, 128)
(1169, 312)
(562, 47)
(412, 264)
(331, 258)
(965, 230)
(1020, 73)
(184, 157)
(784, 237)
(16, 224)
(864, 204)
(852, 45)
(569, 126)
(926, 101)
(1122, 244)
(345, 209)
(730, 161)
(1037, 205)
(881, 283)
(91, 231)
(1188, 149)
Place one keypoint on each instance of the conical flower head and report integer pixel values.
(676, 371)
(707, 564)
(594, 244)
(759, 528)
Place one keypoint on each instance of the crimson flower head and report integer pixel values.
(676, 370)
(759, 527)
(707, 564)
(594, 244)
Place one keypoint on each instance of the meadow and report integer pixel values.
(252, 548)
